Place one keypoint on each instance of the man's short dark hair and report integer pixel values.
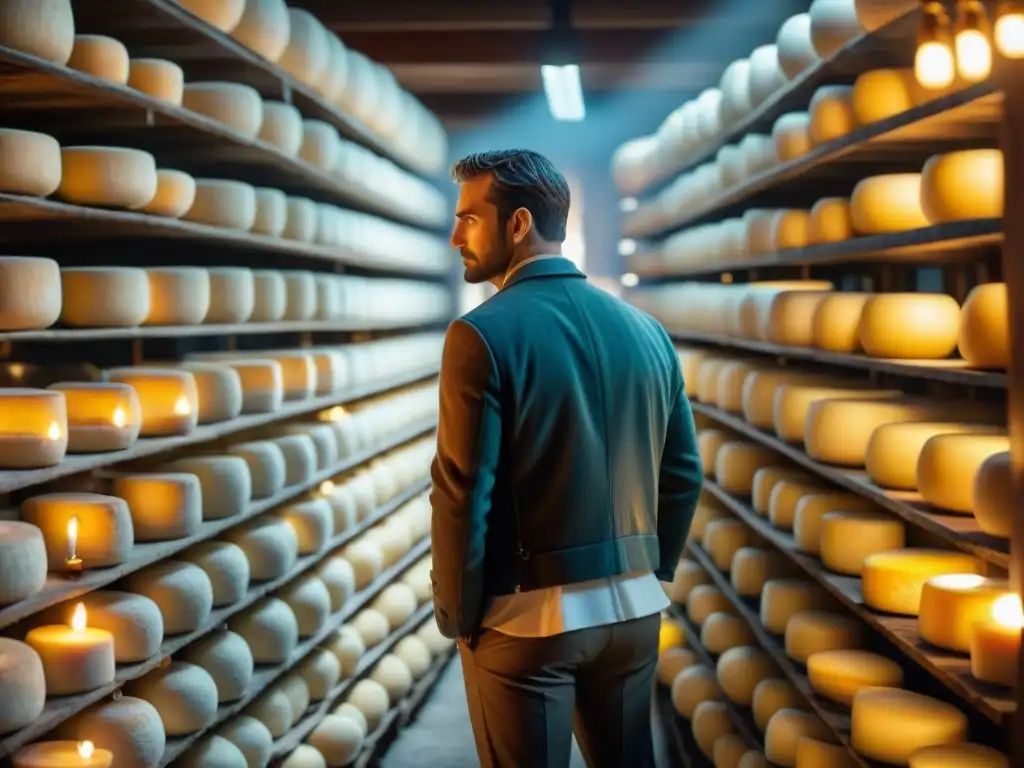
(522, 179)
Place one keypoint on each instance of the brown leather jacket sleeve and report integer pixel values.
(468, 445)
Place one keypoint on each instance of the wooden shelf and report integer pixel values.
(12, 480)
(63, 708)
(79, 109)
(957, 241)
(266, 674)
(951, 669)
(60, 588)
(22, 217)
(162, 29)
(948, 371)
(962, 531)
(682, 747)
(899, 144)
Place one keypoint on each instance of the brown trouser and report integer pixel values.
(528, 695)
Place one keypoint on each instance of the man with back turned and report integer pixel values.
(565, 480)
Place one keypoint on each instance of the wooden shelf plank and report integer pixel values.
(950, 669)
(960, 530)
(682, 747)
(266, 674)
(949, 371)
(63, 708)
(12, 480)
(59, 588)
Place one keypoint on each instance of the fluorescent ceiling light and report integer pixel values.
(629, 280)
(564, 91)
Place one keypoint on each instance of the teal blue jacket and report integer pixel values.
(566, 449)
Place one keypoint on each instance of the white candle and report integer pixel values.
(75, 659)
(73, 562)
(33, 428)
(102, 416)
(995, 643)
(63, 754)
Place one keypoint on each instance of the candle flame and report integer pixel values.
(327, 487)
(78, 620)
(1007, 611)
(119, 418)
(54, 432)
(337, 413)
(72, 535)
(183, 407)
(85, 749)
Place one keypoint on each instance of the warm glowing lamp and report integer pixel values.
(934, 64)
(995, 643)
(76, 658)
(973, 50)
(63, 754)
(1008, 30)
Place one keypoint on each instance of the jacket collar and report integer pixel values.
(554, 265)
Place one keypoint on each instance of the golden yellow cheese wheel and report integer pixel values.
(984, 335)
(910, 326)
(967, 184)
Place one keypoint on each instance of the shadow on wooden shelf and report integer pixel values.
(962, 531)
(949, 371)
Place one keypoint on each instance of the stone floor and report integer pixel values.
(441, 736)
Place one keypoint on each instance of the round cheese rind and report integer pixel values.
(271, 296)
(993, 495)
(265, 27)
(177, 295)
(321, 670)
(875, 14)
(723, 538)
(161, 79)
(786, 495)
(948, 464)
(43, 28)
(228, 660)
(221, 203)
(219, 390)
(302, 220)
(310, 602)
(831, 221)
(781, 599)
(214, 752)
(671, 662)
(722, 632)
(22, 562)
(928, 325)
(954, 755)
(282, 127)
(163, 506)
(271, 212)
(371, 699)
(796, 49)
(984, 336)
(175, 194)
(735, 465)
(30, 162)
(232, 295)
(688, 575)
(741, 669)
(766, 76)
(811, 753)
(793, 401)
(894, 449)
(182, 591)
(128, 727)
(831, 112)
(320, 144)
(184, 695)
(251, 737)
(834, 23)
(222, 14)
(892, 581)
(967, 184)
(951, 606)
(101, 57)
(105, 527)
(274, 710)
(753, 567)
(792, 136)
(266, 466)
(270, 629)
(889, 203)
(270, 546)
(879, 94)
(811, 632)
(392, 673)
(889, 724)
(693, 686)
(313, 522)
(785, 730)
(108, 177)
(705, 600)
(709, 722)
(307, 53)
(225, 482)
(811, 509)
(772, 695)
(300, 288)
(30, 293)
(372, 626)
(237, 106)
(225, 565)
(22, 685)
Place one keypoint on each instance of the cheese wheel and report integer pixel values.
(721, 632)
(220, 203)
(957, 755)
(225, 565)
(124, 726)
(710, 722)
(790, 316)
(735, 465)
(785, 496)
(161, 79)
(735, 87)
(175, 194)
(928, 326)
(298, 376)
(875, 14)
(766, 76)
(348, 647)
(302, 220)
(752, 568)
(811, 509)
(313, 523)
(741, 669)
(105, 528)
(708, 443)
(270, 629)
(366, 559)
(889, 203)
(265, 27)
(834, 23)
(796, 49)
(271, 212)
(237, 106)
(22, 563)
(22, 684)
(227, 659)
(783, 598)
(340, 579)
(392, 673)
(270, 296)
(182, 591)
(372, 626)
(963, 185)
(840, 675)
(163, 506)
(753, 759)
(894, 449)
(728, 750)
(178, 295)
(222, 14)
(688, 575)
(879, 94)
(300, 287)
(765, 480)
(251, 737)
(722, 539)
(705, 600)
(262, 384)
(232, 295)
(397, 603)
(791, 134)
(310, 602)
(225, 482)
(793, 402)
(266, 466)
(214, 752)
(270, 546)
(731, 378)
(836, 323)
(707, 378)
(30, 293)
(787, 727)
(30, 162)
(282, 127)
(890, 724)
(831, 111)
(790, 229)
(811, 753)
(947, 466)
(109, 177)
(892, 581)
(372, 700)
(219, 390)
(811, 632)
(101, 57)
(692, 686)
(952, 604)
(831, 221)
(43, 28)
(184, 695)
(307, 53)
(320, 144)
(336, 740)
(759, 392)
(321, 670)
(993, 495)
(772, 695)
(673, 661)
(984, 336)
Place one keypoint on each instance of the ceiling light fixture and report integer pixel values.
(560, 70)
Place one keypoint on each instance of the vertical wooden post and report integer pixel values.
(1011, 140)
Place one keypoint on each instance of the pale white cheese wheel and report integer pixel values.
(183, 694)
(890, 724)
(948, 464)
(735, 88)
(831, 221)
(875, 14)
(928, 326)
(282, 127)
(251, 737)
(43, 28)
(894, 449)
(266, 466)
(313, 522)
(182, 591)
(214, 752)
(879, 94)
(236, 106)
(963, 185)
(796, 49)
(785, 730)
(163, 506)
(302, 220)
(993, 495)
(30, 162)
(753, 567)
(126, 726)
(811, 632)
(791, 134)
(766, 76)
(741, 669)
(109, 177)
(22, 562)
(772, 695)
(983, 339)
(222, 14)
(227, 659)
(177, 295)
(175, 194)
(271, 296)
(265, 27)
(270, 629)
(219, 389)
(30, 293)
(274, 710)
(101, 57)
(392, 673)
(300, 287)
(307, 54)
(308, 756)
(416, 656)
(22, 684)
(221, 203)
(833, 24)
(163, 80)
(892, 581)
(372, 626)
(781, 599)
(320, 144)
(347, 646)
(225, 565)
(324, 443)
(693, 686)
(262, 384)
(710, 721)
(299, 458)
(310, 602)
(321, 671)
(889, 203)
(270, 546)
(831, 112)
(954, 755)
(397, 603)
(225, 482)
(232, 295)
(370, 698)
(271, 212)
(836, 324)
(105, 527)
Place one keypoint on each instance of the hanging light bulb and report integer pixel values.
(934, 65)
(973, 51)
(1008, 30)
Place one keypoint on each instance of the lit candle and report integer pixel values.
(73, 562)
(167, 399)
(995, 643)
(183, 407)
(102, 416)
(76, 659)
(63, 754)
(33, 431)
(326, 487)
